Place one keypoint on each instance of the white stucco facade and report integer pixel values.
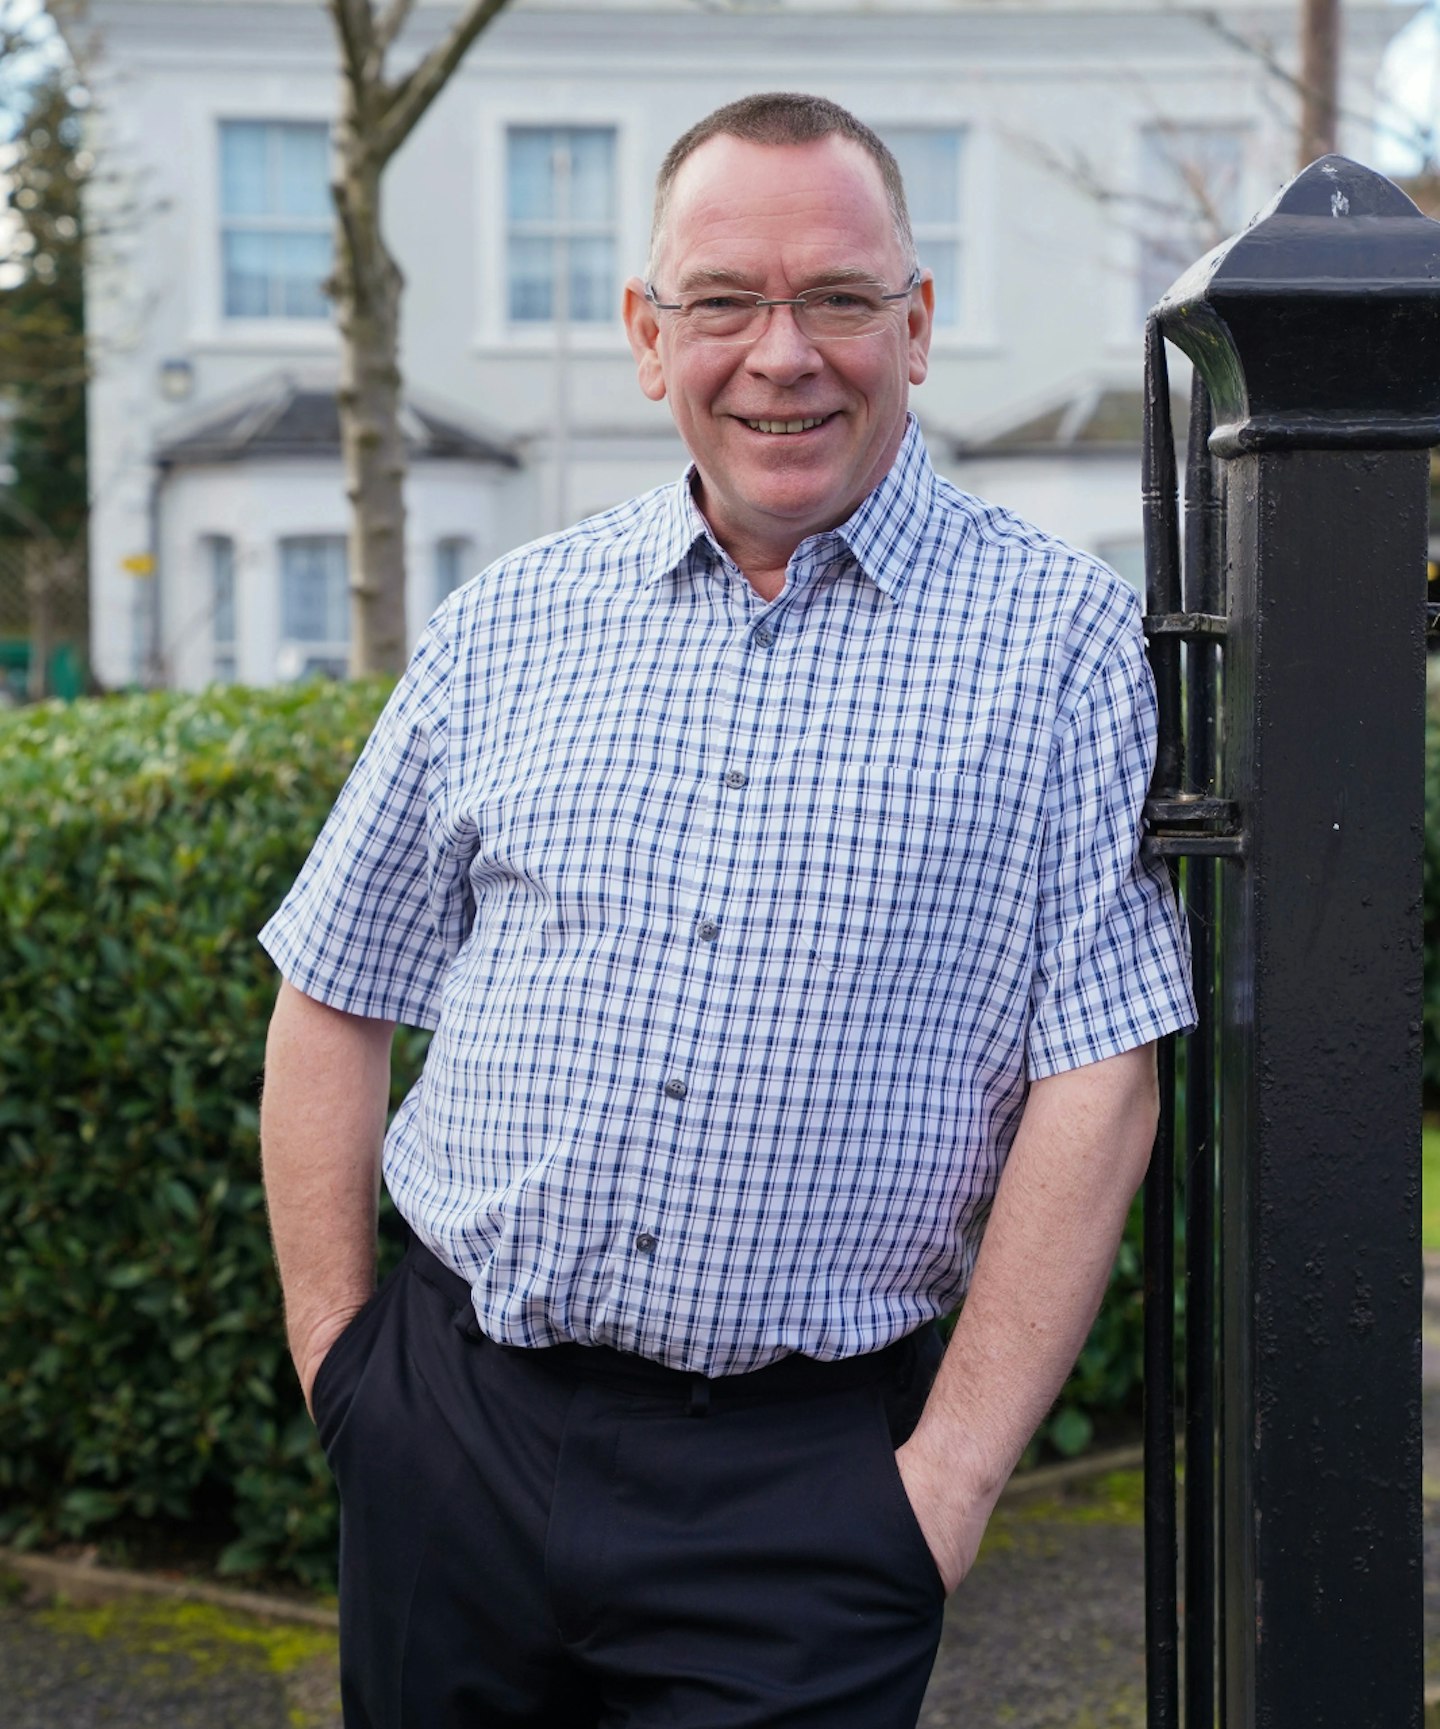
(1053, 104)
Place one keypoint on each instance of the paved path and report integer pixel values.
(1047, 1632)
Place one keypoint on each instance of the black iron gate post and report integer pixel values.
(1317, 333)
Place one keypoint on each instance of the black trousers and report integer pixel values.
(575, 1539)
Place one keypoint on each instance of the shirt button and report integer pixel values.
(764, 637)
(737, 777)
(646, 1242)
(709, 931)
(675, 1089)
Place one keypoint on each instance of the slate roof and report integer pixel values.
(1100, 421)
(286, 416)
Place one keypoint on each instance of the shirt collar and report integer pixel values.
(888, 529)
(884, 533)
(678, 527)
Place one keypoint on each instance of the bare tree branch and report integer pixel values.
(355, 27)
(1415, 136)
(415, 92)
(391, 23)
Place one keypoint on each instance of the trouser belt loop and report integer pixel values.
(699, 1396)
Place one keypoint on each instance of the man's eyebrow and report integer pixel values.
(711, 276)
(721, 276)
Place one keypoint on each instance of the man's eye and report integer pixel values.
(840, 300)
(717, 303)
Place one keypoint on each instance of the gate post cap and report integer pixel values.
(1318, 325)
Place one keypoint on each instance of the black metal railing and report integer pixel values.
(1288, 652)
(1192, 826)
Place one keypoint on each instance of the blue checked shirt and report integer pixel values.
(743, 924)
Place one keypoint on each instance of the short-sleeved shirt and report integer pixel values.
(744, 925)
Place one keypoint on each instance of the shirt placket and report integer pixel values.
(706, 965)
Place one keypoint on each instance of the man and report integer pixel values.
(764, 853)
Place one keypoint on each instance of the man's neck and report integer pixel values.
(766, 583)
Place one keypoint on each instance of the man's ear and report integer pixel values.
(921, 316)
(643, 329)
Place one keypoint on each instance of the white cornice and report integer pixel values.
(557, 37)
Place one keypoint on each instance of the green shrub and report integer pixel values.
(143, 841)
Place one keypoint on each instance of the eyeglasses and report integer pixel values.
(833, 313)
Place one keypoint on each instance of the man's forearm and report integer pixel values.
(1078, 1157)
(322, 1121)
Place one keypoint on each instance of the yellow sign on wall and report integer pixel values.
(139, 564)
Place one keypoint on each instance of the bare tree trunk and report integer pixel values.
(376, 117)
(368, 284)
(1319, 78)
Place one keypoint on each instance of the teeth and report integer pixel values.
(784, 425)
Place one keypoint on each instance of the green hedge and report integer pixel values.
(143, 841)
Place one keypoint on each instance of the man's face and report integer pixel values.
(776, 220)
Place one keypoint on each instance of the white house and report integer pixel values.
(1064, 161)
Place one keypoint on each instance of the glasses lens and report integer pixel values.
(830, 314)
(823, 314)
(721, 317)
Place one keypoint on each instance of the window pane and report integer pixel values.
(930, 167)
(303, 156)
(247, 275)
(592, 174)
(314, 604)
(567, 207)
(301, 264)
(242, 168)
(337, 589)
(276, 245)
(592, 281)
(302, 595)
(531, 270)
(943, 257)
(454, 564)
(222, 590)
(531, 174)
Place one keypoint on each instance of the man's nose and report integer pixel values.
(782, 349)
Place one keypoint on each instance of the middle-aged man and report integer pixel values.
(764, 853)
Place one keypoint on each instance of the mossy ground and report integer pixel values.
(193, 1645)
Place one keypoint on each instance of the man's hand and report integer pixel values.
(1079, 1156)
(308, 1354)
(951, 1521)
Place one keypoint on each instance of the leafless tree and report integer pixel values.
(377, 114)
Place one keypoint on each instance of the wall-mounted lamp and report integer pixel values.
(177, 379)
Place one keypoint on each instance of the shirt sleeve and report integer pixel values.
(383, 903)
(1111, 954)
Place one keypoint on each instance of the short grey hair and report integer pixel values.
(776, 118)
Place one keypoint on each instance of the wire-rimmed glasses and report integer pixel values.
(832, 312)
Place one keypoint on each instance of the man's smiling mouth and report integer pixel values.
(783, 426)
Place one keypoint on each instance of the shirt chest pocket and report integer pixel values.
(899, 868)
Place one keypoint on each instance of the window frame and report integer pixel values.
(298, 657)
(494, 331)
(224, 650)
(953, 230)
(267, 223)
(564, 229)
